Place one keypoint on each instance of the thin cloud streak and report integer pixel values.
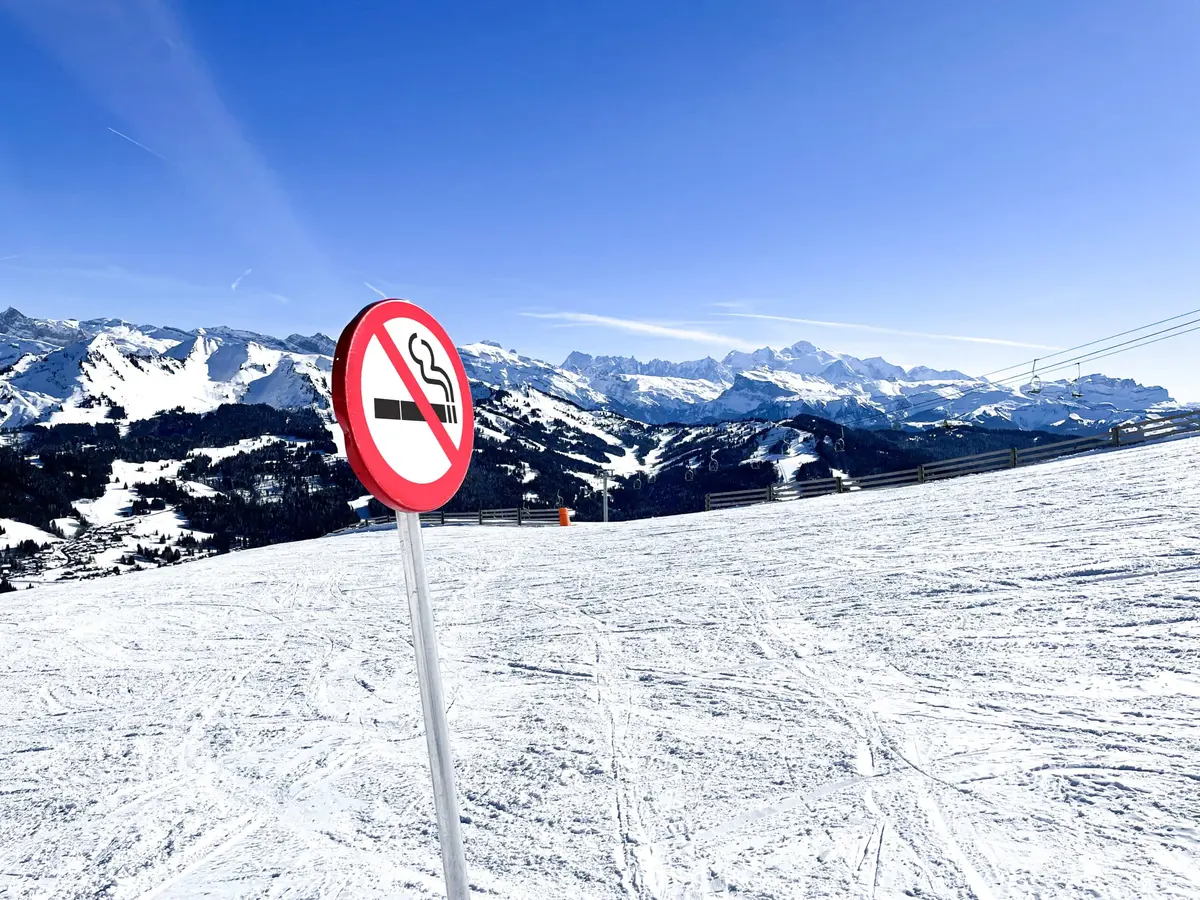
(877, 329)
(376, 290)
(636, 326)
(237, 281)
(131, 55)
(136, 143)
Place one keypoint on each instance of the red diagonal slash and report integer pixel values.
(418, 395)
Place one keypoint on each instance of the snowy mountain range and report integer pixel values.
(87, 371)
(802, 379)
(70, 371)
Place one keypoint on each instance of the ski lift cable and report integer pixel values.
(1011, 381)
(1131, 344)
(1091, 356)
(1084, 357)
(1110, 350)
(1146, 344)
(1110, 337)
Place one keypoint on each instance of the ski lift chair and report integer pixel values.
(1035, 383)
(839, 446)
(636, 484)
(1076, 389)
(688, 474)
(712, 464)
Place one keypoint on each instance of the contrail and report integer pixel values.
(897, 331)
(637, 326)
(14, 256)
(238, 280)
(376, 290)
(137, 143)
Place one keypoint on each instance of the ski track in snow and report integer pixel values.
(983, 688)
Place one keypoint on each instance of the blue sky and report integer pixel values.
(618, 177)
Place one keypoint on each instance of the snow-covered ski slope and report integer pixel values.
(987, 687)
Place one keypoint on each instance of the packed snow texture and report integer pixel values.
(982, 688)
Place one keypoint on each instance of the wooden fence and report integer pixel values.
(1119, 436)
(516, 516)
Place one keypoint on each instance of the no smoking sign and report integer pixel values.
(401, 397)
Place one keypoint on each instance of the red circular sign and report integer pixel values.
(401, 397)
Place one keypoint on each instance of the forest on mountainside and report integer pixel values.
(295, 487)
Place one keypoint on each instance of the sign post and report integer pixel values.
(605, 476)
(402, 399)
(437, 731)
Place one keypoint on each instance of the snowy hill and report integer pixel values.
(69, 371)
(976, 688)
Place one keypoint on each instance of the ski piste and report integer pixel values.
(976, 688)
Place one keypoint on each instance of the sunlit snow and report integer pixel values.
(985, 687)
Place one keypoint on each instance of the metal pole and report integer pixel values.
(606, 495)
(437, 732)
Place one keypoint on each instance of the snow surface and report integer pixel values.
(797, 451)
(68, 525)
(15, 532)
(114, 505)
(984, 687)
(246, 445)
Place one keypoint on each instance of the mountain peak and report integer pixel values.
(575, 361)
(606, 367)
(11, 319)
(804, 347)
(318, 343)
